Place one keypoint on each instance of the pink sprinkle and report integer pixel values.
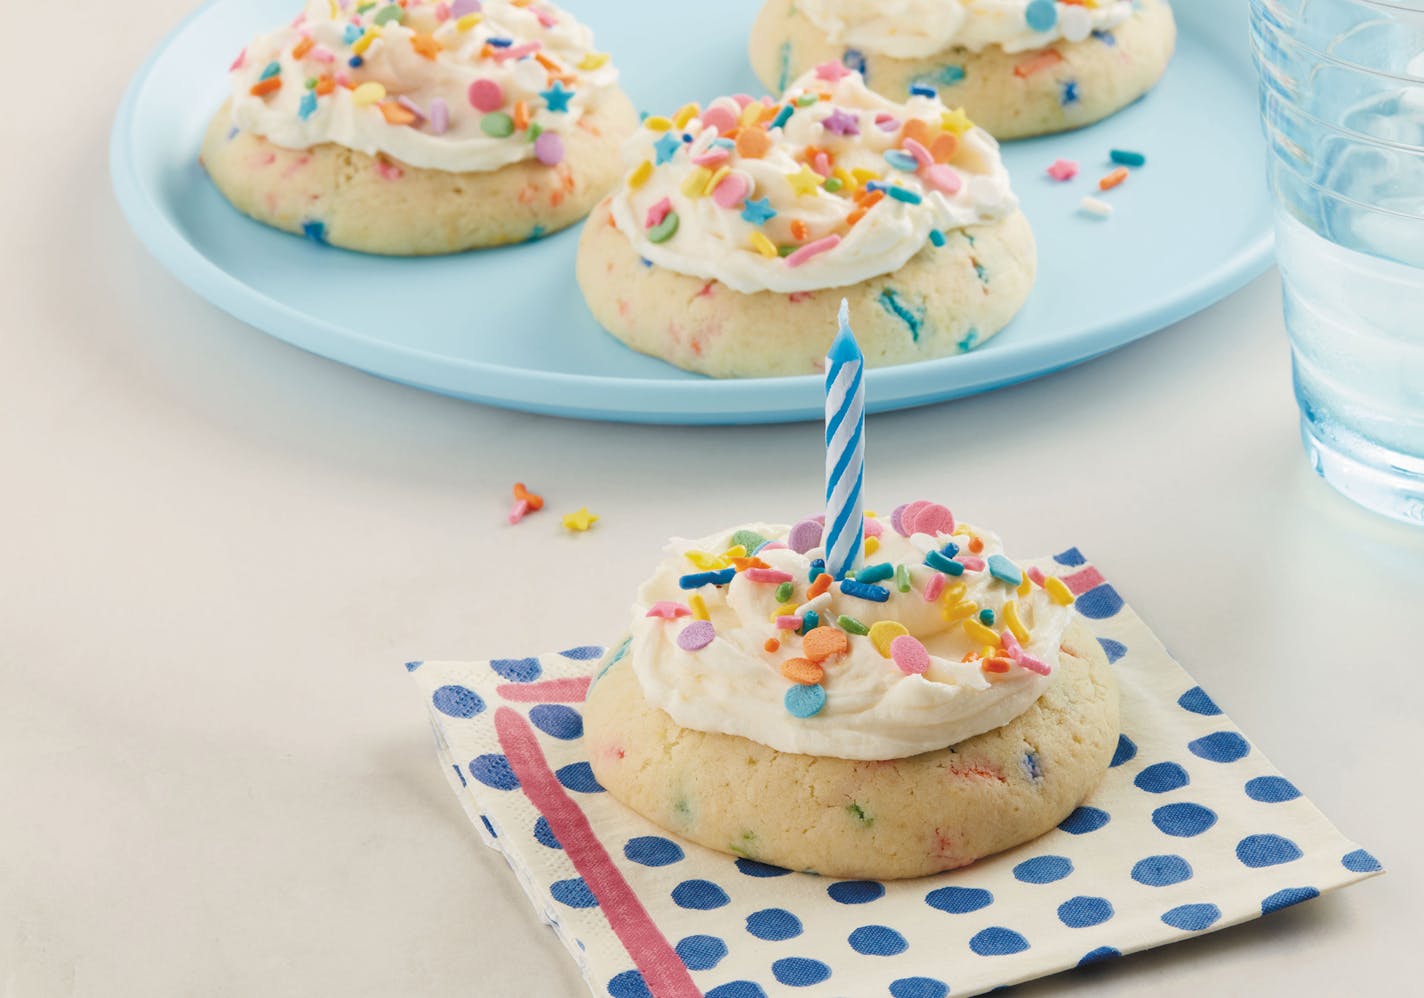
(238, 62)
(768, 575)
(934, 587)
(712, 157)
(887, 122)
(519, 512)
(910, 655)
(517, 51)
(921, 154)
(971, 563)
(442, 12)
(832, 72)
(943, 178)
(549, 148)
(1035, 575)
(657, 213)
(812, 250)
(927, 518)
(459, 8)
(797, 297)
(1063, 169)
(546, 19)
(821, 164)
(731, 191)
(1011, 644)
(873, 528)
(389, 171)
(742, 100)
(1034, 665)
(321, 54)
(486, 96)
(772, 546)
(666, 609)
(439, 115)
(789, 623)
(720, 118)
(411, 106)
(343, 79)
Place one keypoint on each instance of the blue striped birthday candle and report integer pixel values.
(845, 450)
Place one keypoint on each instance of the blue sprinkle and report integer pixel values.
(921, 90)
(666, 148)
(1004, 570)
(854, 59)
(699, 579)
(904, 194)
(986, 617)
(937, 237)
(1041, 15)
(500, 43)
(270, 70)
(940, 563)
(351, 33)
(901, 160)
(306, 107)
(1106, 37)
(950, 549)
(1031, 767)
(315, 231)
(783, 116)
(355, 62)
(805, 701)
(875, 573)
(913, 318)
(1126, 157)
(1069, 94)
(810, 621)
(818, 568)
(861, 590)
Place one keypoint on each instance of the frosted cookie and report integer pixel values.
(740, 226)
(1019, 67)
(421, 127)
(944, 705)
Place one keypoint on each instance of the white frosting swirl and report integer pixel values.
(423, 61)
(873, 709)
(827, 173)
(915, 29)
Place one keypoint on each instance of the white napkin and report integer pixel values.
(1192, 830)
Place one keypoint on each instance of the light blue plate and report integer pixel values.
(508, 327)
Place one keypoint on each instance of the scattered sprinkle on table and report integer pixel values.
(1095, 206)
(580, 521)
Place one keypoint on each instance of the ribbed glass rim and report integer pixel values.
(1335, 195)
(1365, 139)
(1260, 22)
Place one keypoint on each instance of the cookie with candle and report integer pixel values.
(740, 226)
(1019, 67)
(418, 127)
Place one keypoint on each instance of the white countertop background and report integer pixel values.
(216, 551)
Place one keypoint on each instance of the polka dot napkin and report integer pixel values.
(1192, 830)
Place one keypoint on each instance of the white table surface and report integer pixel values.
(216, 552)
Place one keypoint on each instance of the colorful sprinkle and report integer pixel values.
(771, 575)
(580, 521)
(941, 563)
(803, 671)
(805, 701)
(850, 625)
(875, 573)
(883, 632)
(668, 610)
(497, 125)
(665, 229)
(804, 536)
(1095, 206)
(1058, 591)
(910, 655)
(902, 578)
(821, 643)
(813, 249)
(1041, 15)
(1063, 170)
(557, 97)
(1004, 570)
(861, 590)
(696, 635)
(1113, 179)
(699, 607)
(1126, 157)
(549, 149)
(697, 580)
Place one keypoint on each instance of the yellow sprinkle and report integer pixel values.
(750, 113)
(960, 530)
(763, 245)
(988, 651)
(783, 611)
(368, 93)
(953, 593)
(594, 60)
(699, 607)
(685, 114)
(1025, 586)
(979, 633)
(365, 41)
(872, 514)
(953, 614)
(882, 632)
(1010, 613)
(863, 176)
(872, 544)
(841, 174)
(716, 179)
(467, 22)
(1057, 591)
(735, 551)
(579, 521)
(695, 183)
(657, 123)
(804, 181)
(640, 174)
(707, 562)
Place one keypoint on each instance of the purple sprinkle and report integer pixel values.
(549, 148)
(804, 536)
(462, 7)
(411, 106)
(439, 115)
(896, 521)
(696, 635)
(841, 123)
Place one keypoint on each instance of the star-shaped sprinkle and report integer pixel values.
(832, 72)
(1063, 169)
(758, 212)
(956, 121)
(580, 521)
(668, 610)
(557, 97)
(426, 45)
(804, 181)
(841, 122)
(667, 147)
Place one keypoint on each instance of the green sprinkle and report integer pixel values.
(749, 539)
(389, 13)
(784, 591)
(535, 130)
(851, 626)
(833, 184)
(902, 578)
(665, 229)
(785, 251)
(858, 813)
(497, 125)
(986, 617)
(806, 100)
(311, 83)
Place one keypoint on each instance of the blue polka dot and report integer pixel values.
(1161, 778)
(1099, 603)
(1098, 955)
(737, 989)
(1071, 558)
(578, 777)
(752, 868)
(653, 850)
(877, 940)
(574, 893)
(1196, 701)
(544, 835)
(1286, 898)
(629, 984)
(773, 924)
(1161, 871)
(583, 653)
(856, 891)
(1192, 917)
(456, 701)
(918, 987)
(1126, 751)
(1043, 869)
(1257, 851)
(699, 895)
(493, 771)
(1081, 912)
(998, 941)
(1084, 820)
(701, 952)
(959, 900)
(1360, 861)
(799, 972)
(557, 720)
(1224, 746)
(489, 827)
(1271, 789)
(1114, 650)
(1183, 820)
(518, 670)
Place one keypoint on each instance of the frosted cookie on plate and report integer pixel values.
(417, 128)
(740, 226)
(1019, 67)
(944, 704)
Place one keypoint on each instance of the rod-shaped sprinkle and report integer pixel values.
(845, 450)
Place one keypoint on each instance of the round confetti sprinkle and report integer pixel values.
(720, 118)
(497, 125)
(910, 655)
(824, 642)
(1075, 23)
(549, 148)
(732, 191)
(696, 635)
(804, 536)
(932, 519)
(1041, 15)
(805, 701)
(897, 519)
(883, 632)
(486, 96)
(944, 178)
(803, 671)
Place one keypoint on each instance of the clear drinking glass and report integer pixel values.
(1342, 102)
